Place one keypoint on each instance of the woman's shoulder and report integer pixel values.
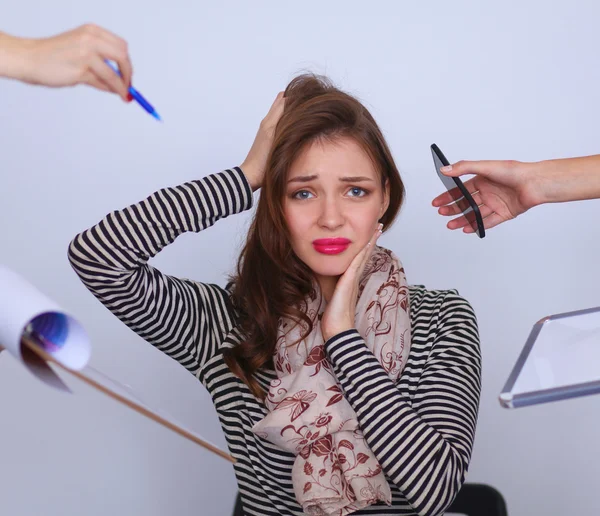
(443, 321)
(433, 305)
(420, 294)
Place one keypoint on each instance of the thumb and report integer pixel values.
(482, 168)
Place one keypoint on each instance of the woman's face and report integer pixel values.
(333, 202)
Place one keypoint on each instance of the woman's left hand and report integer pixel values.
(341, 311)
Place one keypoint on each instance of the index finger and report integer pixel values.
(454, 194)
(443, 199)
(105, 73)
(126, 68)
(120, 49)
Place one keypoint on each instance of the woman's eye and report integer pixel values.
(301, 195)
(357, 192)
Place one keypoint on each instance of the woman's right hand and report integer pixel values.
(256, 162)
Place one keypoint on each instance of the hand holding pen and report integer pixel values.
(79, 56)
(67, 59)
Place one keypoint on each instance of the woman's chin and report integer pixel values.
(326, 265)
(329, 269)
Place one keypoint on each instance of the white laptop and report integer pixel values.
(560, 360)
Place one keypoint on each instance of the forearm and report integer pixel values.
(252, 175)
(126, 239)
(571, 179)
(14, 57)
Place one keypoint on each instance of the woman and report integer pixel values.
(340, 389)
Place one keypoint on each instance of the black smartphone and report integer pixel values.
(459, 193)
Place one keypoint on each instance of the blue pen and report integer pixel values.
(136, 94)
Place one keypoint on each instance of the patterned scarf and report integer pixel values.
(335, 471)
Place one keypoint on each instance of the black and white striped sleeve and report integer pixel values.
(183, 318)
(423, 447)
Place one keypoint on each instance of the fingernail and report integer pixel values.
(129, 97)
(447, 168)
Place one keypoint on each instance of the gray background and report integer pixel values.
(516, 80)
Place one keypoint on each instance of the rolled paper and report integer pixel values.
(40, 334)
(24, 310)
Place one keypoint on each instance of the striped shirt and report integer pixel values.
(421, 427)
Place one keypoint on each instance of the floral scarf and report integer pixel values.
(335, 471)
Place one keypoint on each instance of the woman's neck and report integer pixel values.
(327, 285)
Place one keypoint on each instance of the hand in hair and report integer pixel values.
(256, 162)
(341, 309)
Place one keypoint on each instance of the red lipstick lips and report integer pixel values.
(331, 245)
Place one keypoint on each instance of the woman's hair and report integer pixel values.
(271, 281)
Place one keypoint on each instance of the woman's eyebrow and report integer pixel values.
(303, 179)
(345, 179)
(355, 179)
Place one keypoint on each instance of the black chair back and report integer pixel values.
(478, 500)
(472, 500)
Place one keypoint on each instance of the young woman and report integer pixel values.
(340, 388)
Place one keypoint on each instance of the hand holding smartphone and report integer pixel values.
(459, 193)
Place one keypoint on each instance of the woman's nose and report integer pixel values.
(331, 215)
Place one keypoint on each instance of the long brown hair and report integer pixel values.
(271, 281)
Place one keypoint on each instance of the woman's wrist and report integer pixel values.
(333, 339)
(330, 333)
(251, 175)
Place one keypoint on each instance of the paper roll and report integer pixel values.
(24, 310)
(36, 331)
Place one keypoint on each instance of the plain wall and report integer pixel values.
(510, 80)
